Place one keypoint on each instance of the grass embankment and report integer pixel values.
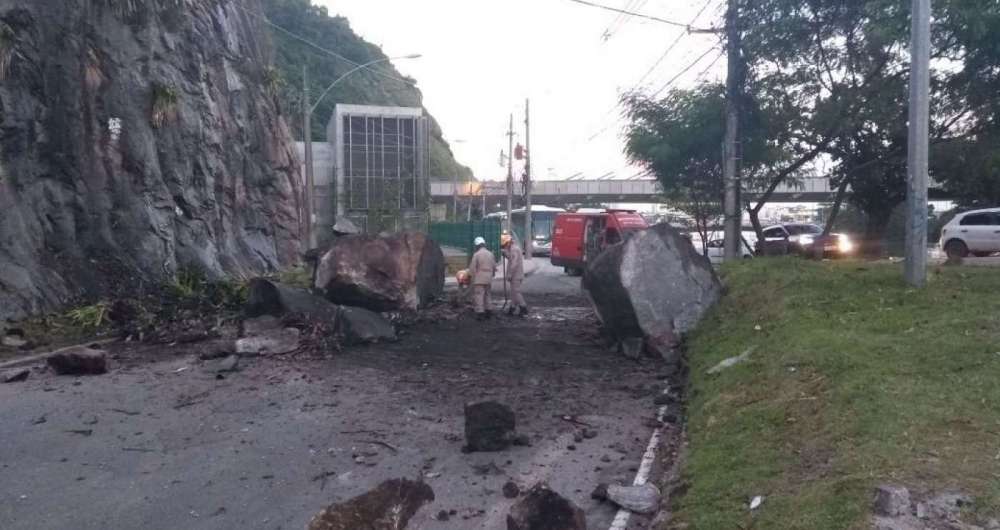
(855, 380)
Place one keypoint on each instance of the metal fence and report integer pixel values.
(461, 235)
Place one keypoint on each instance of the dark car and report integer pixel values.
(801, 238)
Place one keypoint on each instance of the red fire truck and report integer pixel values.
(580, 237)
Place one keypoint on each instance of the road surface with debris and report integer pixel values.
(162, 443)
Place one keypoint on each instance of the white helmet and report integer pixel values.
(479, 241)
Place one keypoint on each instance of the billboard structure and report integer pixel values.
(381, 167)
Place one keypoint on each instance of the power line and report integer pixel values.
(672, 45)
(634, 14)
(684, 71)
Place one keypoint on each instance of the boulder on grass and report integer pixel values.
(78, 361)
(384, 273)
(265, 297)
(390, 506)
(361, 326)
(489, 426)
(654, 285)
(543, 509)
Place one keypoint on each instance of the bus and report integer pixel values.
(543, 219)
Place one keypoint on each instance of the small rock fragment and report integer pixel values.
(543, 509)
(489, 426)
(15, 376)
(79, 361)
(642, 499)
(393, 502)
(511, 490)
(892, 501)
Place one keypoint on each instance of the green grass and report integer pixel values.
(856, 380)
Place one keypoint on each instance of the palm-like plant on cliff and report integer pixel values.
(165, 100)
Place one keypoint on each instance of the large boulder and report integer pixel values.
(265, 297)
(382, 273)
(653, 285)
(543, 509)
(361, 326)
(390, 506)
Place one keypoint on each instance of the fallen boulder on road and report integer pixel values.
(78, 361)
(390, 506)
(265, 297)
(543, 509)
(384, 273)
(489, 426)
(654, 285)
(361, 326)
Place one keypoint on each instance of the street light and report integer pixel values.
(307, 111)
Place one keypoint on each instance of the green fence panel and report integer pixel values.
(461, 235)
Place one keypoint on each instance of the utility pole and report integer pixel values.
(915, 269)
(307, 140)
(510, 174)
(731, 149)
(454, 197)
(529, 233)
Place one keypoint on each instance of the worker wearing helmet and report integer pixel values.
(482, 268)
(515, 274)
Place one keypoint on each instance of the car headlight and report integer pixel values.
(844, 245)
(806, 240)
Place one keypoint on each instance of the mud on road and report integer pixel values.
(161, 443)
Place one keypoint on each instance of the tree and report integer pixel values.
(679, 139)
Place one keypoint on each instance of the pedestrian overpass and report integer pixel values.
(566, 192)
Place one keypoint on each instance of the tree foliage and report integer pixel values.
(380, 84)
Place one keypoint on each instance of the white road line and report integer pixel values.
(642, 476)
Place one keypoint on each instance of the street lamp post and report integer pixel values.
(307, 136)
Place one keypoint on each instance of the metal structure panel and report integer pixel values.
(381, 166)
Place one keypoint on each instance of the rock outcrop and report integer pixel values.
(137, 139)
(382, 273)
(654, 285)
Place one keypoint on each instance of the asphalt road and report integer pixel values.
(160, 443)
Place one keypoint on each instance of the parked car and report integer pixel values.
(579, 237)
(717, 250)
(801, 238)
(976, 233)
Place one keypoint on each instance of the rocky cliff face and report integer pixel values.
(137, 137)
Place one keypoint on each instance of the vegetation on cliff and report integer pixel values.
(381, 84)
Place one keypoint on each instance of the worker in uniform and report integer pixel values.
(482, 268)
(515, 274)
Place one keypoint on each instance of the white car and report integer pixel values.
(717, 251)
(976, 233)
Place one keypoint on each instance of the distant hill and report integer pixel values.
(363, 87)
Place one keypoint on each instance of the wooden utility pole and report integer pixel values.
(307, 142)
(915, 269)
(510, 174)
(529, 233)
(731, 150)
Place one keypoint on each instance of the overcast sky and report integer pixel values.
(482, 58)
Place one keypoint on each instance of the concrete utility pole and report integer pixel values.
(510, 174)
(454, 197)
(915, 268)
(529, 234)
(731, 150)
(307, 141)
